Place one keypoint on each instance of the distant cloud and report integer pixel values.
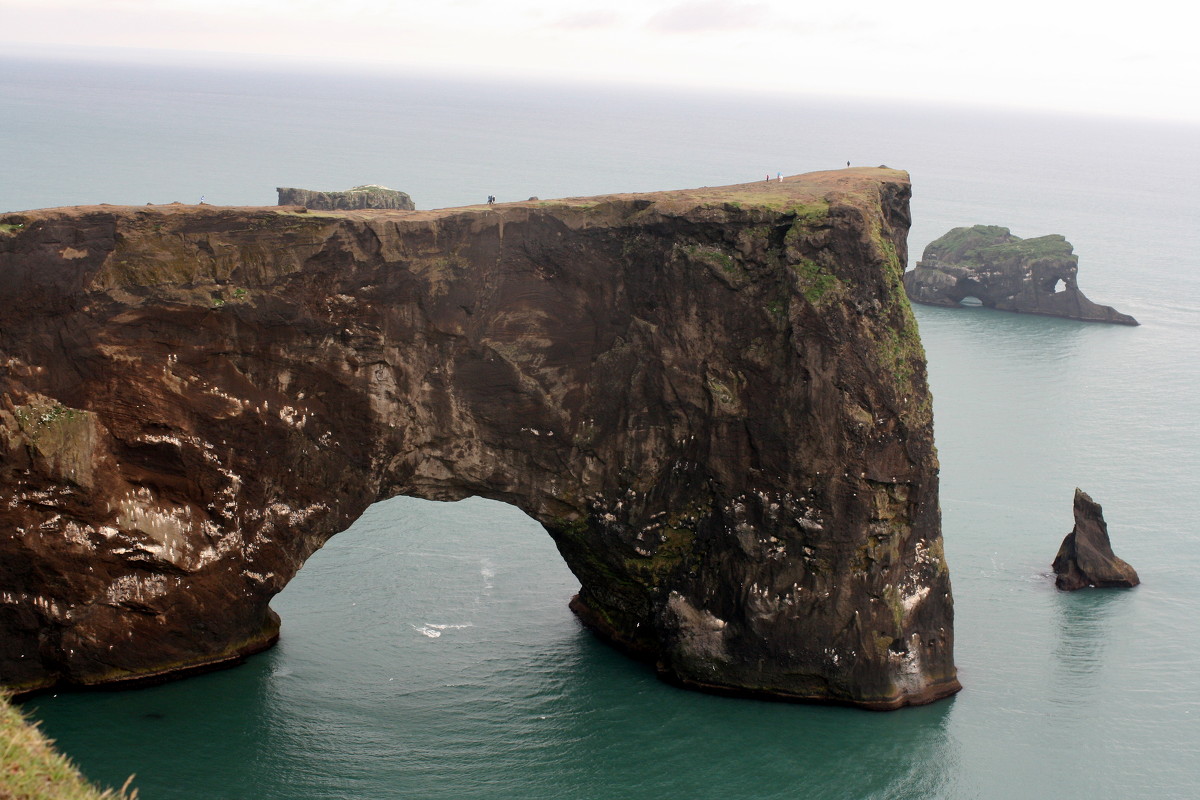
(703, 16)
(589, 20)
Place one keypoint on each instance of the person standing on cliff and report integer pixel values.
(779, 175)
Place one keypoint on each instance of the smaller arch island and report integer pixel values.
(714, 401)
(987, 265)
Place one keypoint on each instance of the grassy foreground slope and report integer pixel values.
(31, 769)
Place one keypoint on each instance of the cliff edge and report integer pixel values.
(713, 400)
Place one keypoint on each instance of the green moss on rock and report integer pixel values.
(992, 245)
(817, 284)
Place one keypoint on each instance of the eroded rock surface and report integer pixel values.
(1005, 272)
(1086, 556)
(356, 199)
(713, 400)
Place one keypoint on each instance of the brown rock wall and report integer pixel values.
(713, 400)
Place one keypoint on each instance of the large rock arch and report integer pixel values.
(713, 400)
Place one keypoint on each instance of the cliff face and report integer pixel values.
(1006, 272)
(714, 401)
(358, 198)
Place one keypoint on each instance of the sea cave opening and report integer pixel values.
(426, 626)
(970, 301)
(424, 592)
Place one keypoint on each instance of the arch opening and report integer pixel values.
(515, 688)
(423, 587)
(970, 301)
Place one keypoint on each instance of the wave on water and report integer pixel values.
(433, 630)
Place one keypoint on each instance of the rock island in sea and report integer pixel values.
(1086, 557)
(1005, 272)
(360, 197)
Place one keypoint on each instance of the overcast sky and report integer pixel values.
(1140, 60)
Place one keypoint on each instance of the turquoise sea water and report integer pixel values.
(1084, 695)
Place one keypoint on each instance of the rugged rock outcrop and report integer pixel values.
(356, 199)
(1034, 276)
(713, 400)
(1086, 557)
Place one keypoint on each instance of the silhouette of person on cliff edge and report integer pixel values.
(491, 199)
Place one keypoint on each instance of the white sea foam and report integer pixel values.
(435, 629)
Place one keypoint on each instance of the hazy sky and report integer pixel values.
(1140, 60)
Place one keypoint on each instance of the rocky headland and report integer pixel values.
(1005, 272)
(713, 400)
(356, 199)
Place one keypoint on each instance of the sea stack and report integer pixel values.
(1086, 557)
(358, 198)
(1007, 273)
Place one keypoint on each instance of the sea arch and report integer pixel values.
(714, 402)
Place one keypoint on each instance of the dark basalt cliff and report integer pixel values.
(713, 400)
(1005, 272)
(1086, 557)
(356, 199)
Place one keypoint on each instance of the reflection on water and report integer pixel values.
(177, 738)
(1005, 337)
(1084, 620)
(615, 719)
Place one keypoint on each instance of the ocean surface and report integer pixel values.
(428, 652)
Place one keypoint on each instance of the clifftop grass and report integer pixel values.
(31, 769)
(984, 245)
